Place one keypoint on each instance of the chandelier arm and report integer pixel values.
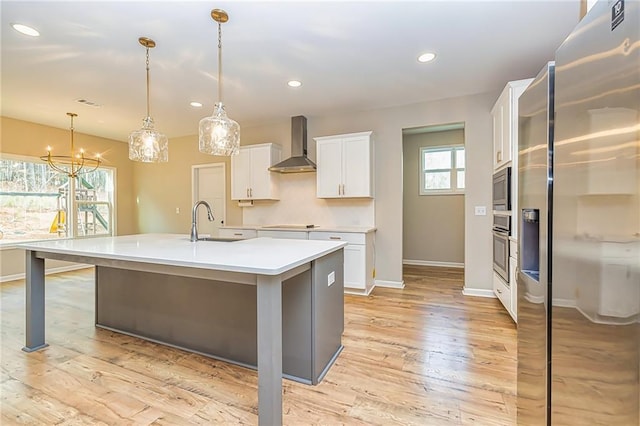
(72, 164)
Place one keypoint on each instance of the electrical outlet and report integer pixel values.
(331, 278)
(481, 211)
(177, 210)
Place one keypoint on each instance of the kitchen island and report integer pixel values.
(204, 297)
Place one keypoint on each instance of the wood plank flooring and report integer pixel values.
(424, 355)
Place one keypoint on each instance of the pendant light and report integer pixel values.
(147, 144)
(218, 134)
(73, 164)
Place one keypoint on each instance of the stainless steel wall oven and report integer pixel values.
(501, 232)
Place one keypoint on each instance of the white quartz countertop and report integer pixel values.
(316, 228)
(265, 256)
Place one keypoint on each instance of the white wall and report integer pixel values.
(298, 204)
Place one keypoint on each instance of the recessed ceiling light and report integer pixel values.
(195, 104)
(294, 83)
(23, 29)
(426, 57)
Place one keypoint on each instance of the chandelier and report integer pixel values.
(218, 134)
(75, 163)
(147, 144)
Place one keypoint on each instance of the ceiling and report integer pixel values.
(349, 56)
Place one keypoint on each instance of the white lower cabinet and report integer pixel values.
(358, 258)
(289, 235)
(240, 233)
(358, 254)
(502, 291)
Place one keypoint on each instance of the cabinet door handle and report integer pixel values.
(250, 192)
(498, 290)
(247, 192)
(238, 234)
(335, 238)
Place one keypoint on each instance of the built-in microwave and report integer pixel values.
(502, 190)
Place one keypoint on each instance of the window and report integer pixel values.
(35, 200)
(442, 170)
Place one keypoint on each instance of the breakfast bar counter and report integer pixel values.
(274, 303)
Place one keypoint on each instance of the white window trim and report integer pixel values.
(454, 190)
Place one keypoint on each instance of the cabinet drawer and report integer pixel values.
(238, 233)
(501, 289)
(290, 235)
(350, 237)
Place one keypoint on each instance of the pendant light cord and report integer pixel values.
(219, 62)
(148, 113)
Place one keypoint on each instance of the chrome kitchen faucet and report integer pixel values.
(194, 218)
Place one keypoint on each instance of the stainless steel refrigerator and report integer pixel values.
(579, 227)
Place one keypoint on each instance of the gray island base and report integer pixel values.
(219, 319)
(277, 304)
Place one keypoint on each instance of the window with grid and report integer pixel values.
(34, 201)
(442, 170)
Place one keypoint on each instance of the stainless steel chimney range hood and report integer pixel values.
(298, 162)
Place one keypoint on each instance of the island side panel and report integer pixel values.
(328, 311)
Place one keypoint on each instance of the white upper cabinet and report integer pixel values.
(250, 175)
(505, 123)
(344, 165)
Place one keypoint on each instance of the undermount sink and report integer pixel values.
(219, 239)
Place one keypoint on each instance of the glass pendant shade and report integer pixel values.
(148, 145)
(219, 135)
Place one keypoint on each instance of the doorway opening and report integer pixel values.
(208, 183)
(433, 195)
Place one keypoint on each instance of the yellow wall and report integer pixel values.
(160, 189)
(29, 139)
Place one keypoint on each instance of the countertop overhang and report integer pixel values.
(264, 256)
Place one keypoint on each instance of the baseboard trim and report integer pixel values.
(478, 292)
(390, 284)
(562, 303)
(431, 263)
(49, 271)
(359, 292)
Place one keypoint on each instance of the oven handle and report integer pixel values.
(501, 232)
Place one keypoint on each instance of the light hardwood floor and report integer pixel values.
(425, 355)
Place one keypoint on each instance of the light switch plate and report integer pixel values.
(481, 211)
(331, 278)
